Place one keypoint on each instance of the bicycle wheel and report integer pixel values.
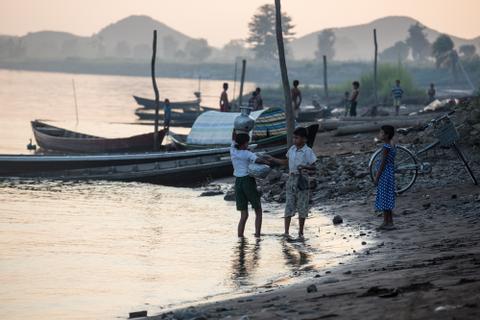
(465, 163)
(406, 168)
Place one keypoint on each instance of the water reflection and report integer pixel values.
(296, 254)
(245, 261)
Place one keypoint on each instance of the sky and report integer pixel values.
(222, 20)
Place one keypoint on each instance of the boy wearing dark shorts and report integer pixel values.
(245, 185)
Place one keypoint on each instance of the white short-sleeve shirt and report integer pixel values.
(300, 156)
(240, 160)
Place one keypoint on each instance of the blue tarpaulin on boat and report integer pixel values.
(214, 127)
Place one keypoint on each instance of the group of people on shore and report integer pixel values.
(300, 160)
(255, 102)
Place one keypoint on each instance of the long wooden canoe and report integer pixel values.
(150, 103)
(37, 165)
(180, 168)
(57, 139)
(178, 118)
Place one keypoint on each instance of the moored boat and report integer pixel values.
(181, 168)
(58, 139)
(150, 103)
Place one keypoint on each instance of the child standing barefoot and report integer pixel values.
(300, 160)
(385, 178)
(245, 186)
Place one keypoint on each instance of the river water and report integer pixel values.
(98, 250)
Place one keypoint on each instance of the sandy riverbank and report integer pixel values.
(425, 269)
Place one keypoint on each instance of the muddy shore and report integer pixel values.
(425, 269)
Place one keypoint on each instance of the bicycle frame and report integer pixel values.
(422, 167)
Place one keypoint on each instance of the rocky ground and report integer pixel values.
(425, 269)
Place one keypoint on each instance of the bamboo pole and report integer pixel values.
(234, 79)
(155, 89)
(199, 93)
(325, 78)
(283, 68)
(242, 80)
(375, 66)
(75, 99)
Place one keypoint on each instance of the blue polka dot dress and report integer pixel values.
(386, 183)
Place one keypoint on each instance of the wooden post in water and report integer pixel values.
(375, 66)
(75, 100)
(242, 80)
(199, 93)
(155, 89)
(234, 79)
(283, 68)
(325, 78)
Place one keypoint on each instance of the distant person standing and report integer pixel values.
(296, 98)
(354, 98)
(431, 93)
(397, 94)
(252, 101)
(258, 100)
(224, 103)
(167, 114)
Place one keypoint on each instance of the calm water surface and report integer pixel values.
(99, 250)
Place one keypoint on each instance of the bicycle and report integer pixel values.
(407, 163)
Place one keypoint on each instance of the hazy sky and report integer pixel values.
(222, 20)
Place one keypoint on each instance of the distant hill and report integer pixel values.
(128, 38)
(356, 42)
(136, 32)
(131, 38)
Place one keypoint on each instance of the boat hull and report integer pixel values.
(150, 103)
(186, 171)
(61, 140)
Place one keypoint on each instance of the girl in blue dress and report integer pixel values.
(385, 178)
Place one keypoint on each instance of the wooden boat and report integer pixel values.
(150, 103)
(181, 168)
(57, 139)
(33, 165)
(180, 140)
(178, 118)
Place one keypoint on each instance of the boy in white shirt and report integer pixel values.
(245, 185)
(300, 160)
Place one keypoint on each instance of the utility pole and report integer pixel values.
(283, 68)
(155, 89)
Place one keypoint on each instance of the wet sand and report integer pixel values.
(428, 268)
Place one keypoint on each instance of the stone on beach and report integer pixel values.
(137, 314)
(230, 196)
(312, 288)
(337, 219)
(211, 193)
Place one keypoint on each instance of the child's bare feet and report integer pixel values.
(382, 226)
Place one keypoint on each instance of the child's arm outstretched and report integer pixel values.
(382, 166)
(282, 162)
